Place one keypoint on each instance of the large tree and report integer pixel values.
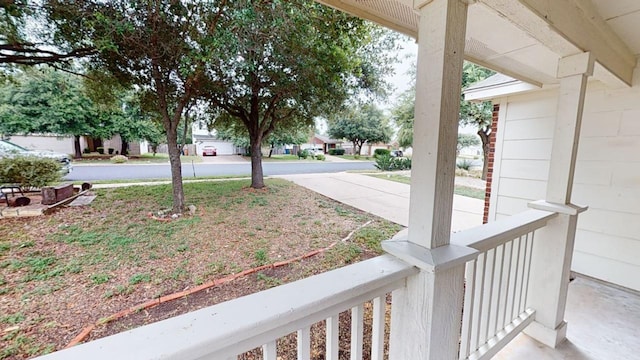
(134, 123)
(51, 102)
(403, 114)
(477, 114)
(361, 124)
(281, 63)
(159, 47)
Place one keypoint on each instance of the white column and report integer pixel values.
(553, 247)
(426, 314)
(573, 72)
(435, 130)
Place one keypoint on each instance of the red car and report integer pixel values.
(209, 151)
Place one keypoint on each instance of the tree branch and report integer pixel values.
(23, 55)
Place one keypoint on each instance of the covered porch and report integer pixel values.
(466, 295)
(603, 325)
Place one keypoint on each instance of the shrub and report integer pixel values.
(320, 157)
(401, 163)
(387, 163)
(29, 171)
(356, 156)
(303, 154)
(380, 152)
(86, 151)
(336, 151)
(119, 159)
(111, 151)
(464, 164)
(384, 162)
(100, 150)
(332, 151)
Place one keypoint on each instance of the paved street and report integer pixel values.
(209, 168)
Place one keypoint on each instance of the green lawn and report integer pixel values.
(356, 157)
(279, 158)
(167, 180)
(62, 272)
(95, 158)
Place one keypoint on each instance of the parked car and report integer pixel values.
(315, 151)
(209, 150)
(9, 149)
(396, 153)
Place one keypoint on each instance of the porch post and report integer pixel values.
(426, 314)
(553, 246)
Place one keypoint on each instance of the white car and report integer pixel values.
(8, 149)
(315, 151)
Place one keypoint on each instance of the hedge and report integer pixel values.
(29, 171)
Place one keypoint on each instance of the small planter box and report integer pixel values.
(55, 194)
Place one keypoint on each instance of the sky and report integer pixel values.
(401, 79)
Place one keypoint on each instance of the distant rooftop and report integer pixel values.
(496, 86)
(326, 139)
(492, 81)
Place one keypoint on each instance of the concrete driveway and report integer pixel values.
(385, 198)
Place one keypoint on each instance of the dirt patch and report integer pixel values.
(62, 272)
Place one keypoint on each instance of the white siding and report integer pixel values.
(59, 144)
(607, 176)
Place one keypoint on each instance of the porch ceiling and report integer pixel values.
(525, 38)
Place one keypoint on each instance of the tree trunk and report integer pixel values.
(257, 178)
(76, 147)
(271, 151)
(176, 170)
(184, 134)
(124, 146)
(484, 136)
(356, 148)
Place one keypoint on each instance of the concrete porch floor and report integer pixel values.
(603, 324)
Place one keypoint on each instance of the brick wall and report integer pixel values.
(492, 152)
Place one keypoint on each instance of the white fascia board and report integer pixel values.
(499, 90)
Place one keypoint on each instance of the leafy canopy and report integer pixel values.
(45, 101)
(363, 123)
(276, 65)
(475, 113)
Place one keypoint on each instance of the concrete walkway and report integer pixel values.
(385, 198)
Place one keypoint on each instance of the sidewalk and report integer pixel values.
(384, 198)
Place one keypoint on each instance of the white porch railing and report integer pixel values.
(495, 307)
(497, 283)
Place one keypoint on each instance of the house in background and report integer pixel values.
(202, 137)
(323, 142)
(65, 144)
